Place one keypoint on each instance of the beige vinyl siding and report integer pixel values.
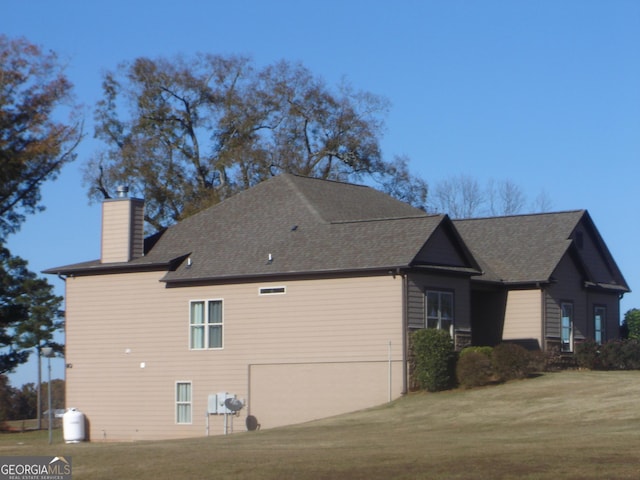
(118, 323)
(523, 316)
(292, 393)
(122, 230)
(137, 228)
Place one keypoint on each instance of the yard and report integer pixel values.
(569, 425)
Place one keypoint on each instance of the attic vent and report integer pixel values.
(579, 240)
(273, 290)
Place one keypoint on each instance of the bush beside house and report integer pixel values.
(612, 355)
(436, 366)
(434, 359)
(474, 368)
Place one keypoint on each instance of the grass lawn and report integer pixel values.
(569, 425)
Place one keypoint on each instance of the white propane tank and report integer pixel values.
(73, 426)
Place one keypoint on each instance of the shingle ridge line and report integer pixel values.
(383, 219)
(518, 215)
(328, 180)
(301, 195)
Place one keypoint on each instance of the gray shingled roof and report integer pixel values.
(304, 225)
(522, 248)
(300, 225)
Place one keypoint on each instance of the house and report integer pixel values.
(548, 282)
(296, 299)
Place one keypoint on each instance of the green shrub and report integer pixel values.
(631, 354)
(611, 356)
(537, 361)
(632, 321)
(553, 359)
(588, 355)
(484, 350)
(434, 358)
(620, 355)
(474, 368)
(511, 361)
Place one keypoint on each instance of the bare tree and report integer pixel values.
(505, 198)
(398, 182)
(459, 196)
(542, 202)
(186, 133)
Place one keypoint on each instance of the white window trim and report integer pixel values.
(451, 329)
(176, 403)
(206, 324)
(603, 322)
(262, 291)
(571, 339)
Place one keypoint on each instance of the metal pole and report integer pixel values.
(39, 393)
(49, 400)
(390, 373)
(48, 352)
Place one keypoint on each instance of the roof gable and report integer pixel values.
(528, 248)
(595, 259)
(445, 247)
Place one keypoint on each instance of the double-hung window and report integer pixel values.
(567, 326)
(599, 322)
(183, 402)
(439, 310)
(205, 324)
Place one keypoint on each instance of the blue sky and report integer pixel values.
(545, 93)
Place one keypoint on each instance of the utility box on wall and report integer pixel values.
(216, 403)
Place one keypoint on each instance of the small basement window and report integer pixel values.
(273, 290)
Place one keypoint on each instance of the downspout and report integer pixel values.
(543, 307)
(405, 339)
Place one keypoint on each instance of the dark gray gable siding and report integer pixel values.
(441, 249)
(566, 288)
(612, 305)
(418, 283)
(595, 255)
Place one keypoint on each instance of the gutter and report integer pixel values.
(248, 277)
(96, 268)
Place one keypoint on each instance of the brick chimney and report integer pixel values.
(122, 228)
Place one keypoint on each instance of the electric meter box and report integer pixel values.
(216, 405)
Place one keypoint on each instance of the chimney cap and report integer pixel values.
(122, 191)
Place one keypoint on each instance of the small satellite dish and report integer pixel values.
(233, 404)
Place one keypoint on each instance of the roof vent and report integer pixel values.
(122, 191)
